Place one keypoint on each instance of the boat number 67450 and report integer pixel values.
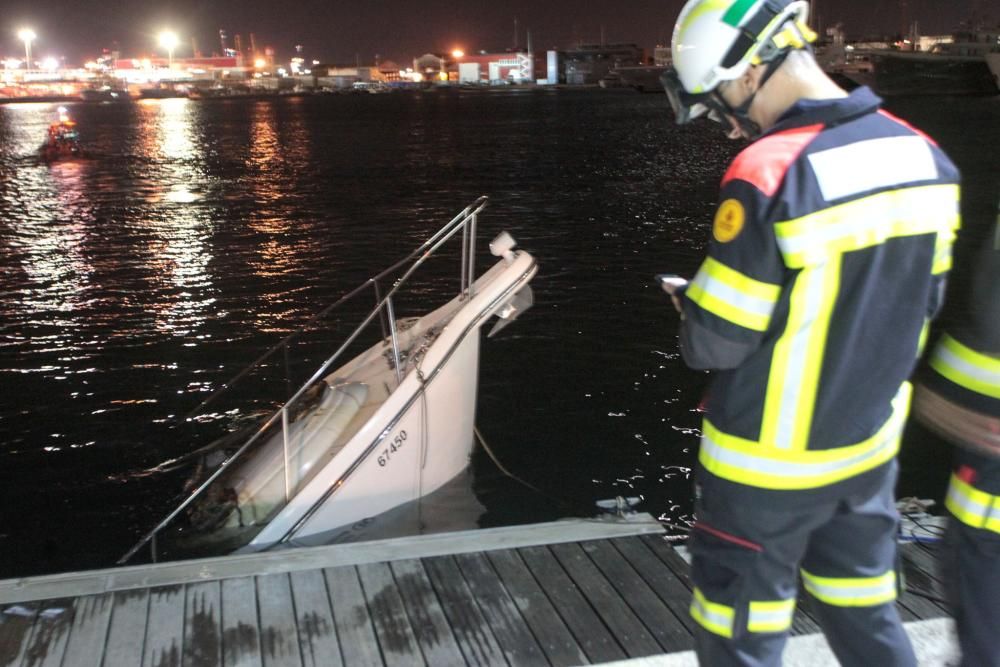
(394, 446)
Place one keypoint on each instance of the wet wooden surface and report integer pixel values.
(561, 604)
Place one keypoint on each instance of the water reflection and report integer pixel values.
(53, 232)
(180, 246)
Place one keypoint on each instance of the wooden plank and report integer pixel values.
(317, 633)
(670, 558)
(664, 626)
(906, 614)
(279, 638)
(928, 560)
(203, 625)
(555, 638)
(478, 645)
(50, 634)
(923, 595)
(395, 636)
(90, 629)
(127, 628)
(240, 629)
(627, 629)
(355, 630)
(165, 627)
(659, 577)
(591, 634)
(16, 621)
(434, 634)
(508, 626)
(72, 584)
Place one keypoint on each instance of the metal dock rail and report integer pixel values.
(562, 593)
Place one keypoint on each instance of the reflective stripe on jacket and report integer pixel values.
(972, 506)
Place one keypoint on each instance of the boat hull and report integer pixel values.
(427, 444)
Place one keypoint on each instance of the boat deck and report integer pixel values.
(561, 593)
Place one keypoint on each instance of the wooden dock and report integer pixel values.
(562, 593)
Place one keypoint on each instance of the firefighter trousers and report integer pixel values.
(972, 553)
(747, 558)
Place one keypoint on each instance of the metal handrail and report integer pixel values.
(465, 220)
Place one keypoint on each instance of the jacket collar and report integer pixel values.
(859, 102)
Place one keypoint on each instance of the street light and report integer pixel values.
(168, 40)
(27, 35)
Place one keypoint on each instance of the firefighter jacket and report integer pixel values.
(960, 393)
(827, 260)
(959, 397)
(966, 362)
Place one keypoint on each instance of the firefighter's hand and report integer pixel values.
(674, 297)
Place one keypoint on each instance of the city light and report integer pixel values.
(457, 54)
(260, 63)
(169, 41)
(27, 35)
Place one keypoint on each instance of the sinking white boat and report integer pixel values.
(391, 425)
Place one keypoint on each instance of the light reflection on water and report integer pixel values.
(198, 233)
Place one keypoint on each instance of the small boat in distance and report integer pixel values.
(62, 141)
(391, 425)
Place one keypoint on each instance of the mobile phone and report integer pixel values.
(671, 282)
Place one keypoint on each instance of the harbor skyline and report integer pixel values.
(342, 32)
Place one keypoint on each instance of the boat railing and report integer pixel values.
(384, 310)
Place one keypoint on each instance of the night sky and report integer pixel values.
(336, 31)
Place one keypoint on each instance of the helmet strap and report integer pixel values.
(741, 114)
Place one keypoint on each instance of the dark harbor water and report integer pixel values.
(198, 234)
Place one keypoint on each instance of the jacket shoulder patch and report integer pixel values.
(729, 221)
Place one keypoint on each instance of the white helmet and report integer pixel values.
(717, 40)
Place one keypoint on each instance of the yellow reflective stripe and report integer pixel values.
(714, 617)
(973, 507)
(851, 592)
(924, 333)
(942, 251)
(771, 616)
(733, 296)
(793, 380)
(966, 367)
(867, 222)
(753, 463)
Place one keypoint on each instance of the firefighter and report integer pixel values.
(828, 256)
(959, 399)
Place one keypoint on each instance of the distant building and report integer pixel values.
(496, 68)
(662, 56)
(142, 70)
(341, 77)
(589, 63)
(433, 66)
(555, 71)
(389, 72)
